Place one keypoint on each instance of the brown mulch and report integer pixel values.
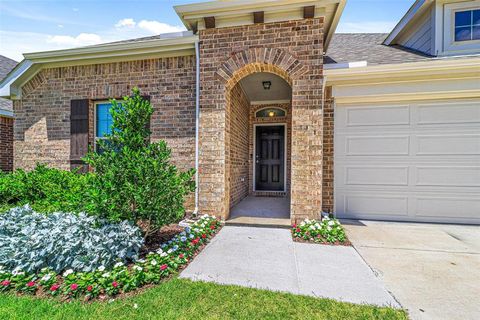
(346, 243)
(154, 241)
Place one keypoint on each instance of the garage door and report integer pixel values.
(408, 162)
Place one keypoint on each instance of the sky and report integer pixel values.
(41, 25)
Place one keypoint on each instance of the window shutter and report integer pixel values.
(79, 121)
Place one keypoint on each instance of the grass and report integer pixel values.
(183, 299)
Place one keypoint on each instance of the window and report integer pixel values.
(467, 25)
(103, 121)
(270, 113)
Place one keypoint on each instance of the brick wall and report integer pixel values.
(328, 148)
(6, 144)
(238, 148)
(42, 126)
(292, 50)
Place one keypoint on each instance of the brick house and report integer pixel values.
(268, 103)
(6, 120)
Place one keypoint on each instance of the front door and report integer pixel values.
(270, 158)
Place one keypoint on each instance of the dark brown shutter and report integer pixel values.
(79, 114)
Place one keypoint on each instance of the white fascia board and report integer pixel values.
(458, 67)
(346, 65)
(21, 68)
(414, 10)
(114, 49)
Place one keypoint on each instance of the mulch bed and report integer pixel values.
(346, 243)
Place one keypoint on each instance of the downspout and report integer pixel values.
(197, 122)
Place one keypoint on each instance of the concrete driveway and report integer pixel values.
(267, 258)
(432, 270)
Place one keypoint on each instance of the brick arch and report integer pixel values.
(272, 60)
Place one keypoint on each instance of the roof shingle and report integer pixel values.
(352, 47)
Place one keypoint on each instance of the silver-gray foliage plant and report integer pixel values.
(30, 241)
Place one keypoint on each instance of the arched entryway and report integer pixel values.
(218, 165)
(258, 134)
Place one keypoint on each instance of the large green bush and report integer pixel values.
(45, 189)
(134, 178)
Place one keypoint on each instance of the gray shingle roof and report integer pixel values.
(351, 47)
(6, 65)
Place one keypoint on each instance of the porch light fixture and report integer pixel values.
(271, 114)
(267, 85)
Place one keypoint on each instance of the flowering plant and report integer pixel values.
(328, 230)
(120, 278)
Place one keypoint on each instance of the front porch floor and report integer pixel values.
(265, 211)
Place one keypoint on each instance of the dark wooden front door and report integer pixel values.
(270, 158)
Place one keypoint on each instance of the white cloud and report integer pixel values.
(126, 23)
(366, 27)
(83, 39)
(157, 27)
(60, 25)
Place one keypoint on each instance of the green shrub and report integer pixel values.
(134, 178)
(45, 189)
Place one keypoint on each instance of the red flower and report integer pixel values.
(195, 241)
(74, 286)
(89, 288)
(295, 225)
(30, 284)
(5, 283)
(163, 267)
(298, 230)
(181, 256)
(204, 236)
(212, 227)
(55, 287)
(114, 284)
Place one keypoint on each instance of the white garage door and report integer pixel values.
(410, 162)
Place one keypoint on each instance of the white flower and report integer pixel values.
(101, 268)
(169, 251)
(106, 275)
(137, 268)
(154, 262)
(68, 272)
(163, 254)
(111, 300)
(160, 251)
(141, 261)
(17, 272)
(118, 265)
(46, 277)
(312, 227)
(331, 223)
(135, 306)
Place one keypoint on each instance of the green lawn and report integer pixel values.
(183, 299)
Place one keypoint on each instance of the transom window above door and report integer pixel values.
(270, 113)
(467, 25)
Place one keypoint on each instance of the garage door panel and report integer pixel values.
(463, 144)
(460, 113)
(377, 116)
(385, 176)
(464, 208)
(358, 205)
(419, 162)
(448, 176)
(377, 146)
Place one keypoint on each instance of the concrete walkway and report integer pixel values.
(265, 211)
(433, 270)
(267, 258)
